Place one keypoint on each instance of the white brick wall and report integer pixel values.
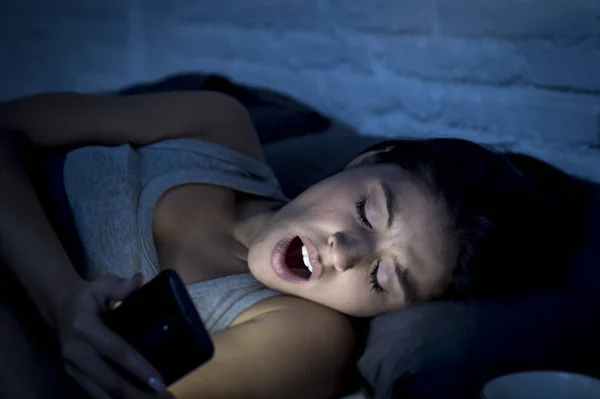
(522, 73)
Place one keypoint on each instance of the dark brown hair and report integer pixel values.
(516, 219)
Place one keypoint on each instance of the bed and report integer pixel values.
(445, 349)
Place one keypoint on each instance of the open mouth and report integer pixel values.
(297, 259)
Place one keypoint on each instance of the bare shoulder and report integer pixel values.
(323, 328)
(283, 304)
(252, 357)
(320, 340)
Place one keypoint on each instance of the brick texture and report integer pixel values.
(574, 67)
(407, 16)
(516, 18)
(475, 61)
(596, 12)
(281, 15)
(520, 73)
(529, 115)
(70, 44)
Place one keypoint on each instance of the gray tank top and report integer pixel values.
(113, 191)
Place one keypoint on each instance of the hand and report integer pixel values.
(99, 360)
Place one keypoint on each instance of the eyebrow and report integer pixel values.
(407, 287)
(389, 203)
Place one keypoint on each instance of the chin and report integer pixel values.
(259, 262)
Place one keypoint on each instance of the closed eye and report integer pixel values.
(360, 210)
(375, 286)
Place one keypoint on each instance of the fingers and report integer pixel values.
(104, 364)
(101, 381)
(110, 345)
(89, 386)
(121, 353)
(111, 290)
(107, 379)
(117, 288)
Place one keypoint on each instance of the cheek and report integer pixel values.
(313, 212)
(329, 190)
(351, 294)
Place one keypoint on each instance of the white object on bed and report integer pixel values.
(356, 395)
(542, 384)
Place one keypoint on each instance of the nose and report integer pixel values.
(347, 249)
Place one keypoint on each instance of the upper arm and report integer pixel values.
(79, 119)
(300, 350)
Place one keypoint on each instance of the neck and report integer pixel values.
(251, 216)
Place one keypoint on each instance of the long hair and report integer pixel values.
(516, 220)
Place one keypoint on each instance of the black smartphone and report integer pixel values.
(161, 322)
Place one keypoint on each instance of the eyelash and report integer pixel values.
(373, 277)
(360, 210)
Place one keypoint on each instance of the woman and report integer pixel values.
(178, 180)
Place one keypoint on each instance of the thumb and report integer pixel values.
(125, 287)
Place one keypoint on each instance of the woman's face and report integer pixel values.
(365, 241)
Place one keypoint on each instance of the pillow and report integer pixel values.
(300, 162)
(450, 349)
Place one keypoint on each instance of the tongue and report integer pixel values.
(304, 272)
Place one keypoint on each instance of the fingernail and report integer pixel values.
(156, 384)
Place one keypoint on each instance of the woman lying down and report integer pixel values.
(178, 181)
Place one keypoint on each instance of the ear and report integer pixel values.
(368, 157)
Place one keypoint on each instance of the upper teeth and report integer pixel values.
(306, 259)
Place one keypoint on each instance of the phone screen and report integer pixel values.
(161, 322)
